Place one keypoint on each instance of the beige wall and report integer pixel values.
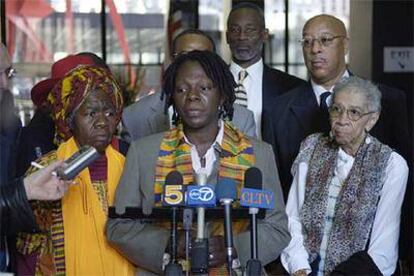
(360, 29)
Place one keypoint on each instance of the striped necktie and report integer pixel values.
(241, 94)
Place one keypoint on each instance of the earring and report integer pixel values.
(331, 136)
(221, 111)
(367, 138)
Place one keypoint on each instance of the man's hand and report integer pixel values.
(42, 185)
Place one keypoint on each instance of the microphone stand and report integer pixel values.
(199, 251)
(173, 268)
(254, 266)
(228, 233)
(187, 222)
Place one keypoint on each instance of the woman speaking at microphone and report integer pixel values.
(200, 88)
(87, 105)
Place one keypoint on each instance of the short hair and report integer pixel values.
(363, 87)
(248, 5)
(216, 70)
(195, 32)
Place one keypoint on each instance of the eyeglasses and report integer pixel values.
(324, 41)
(352, 113)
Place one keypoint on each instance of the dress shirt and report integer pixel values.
(210, 156)
(383, 245)
(254, 89)
(318, 90)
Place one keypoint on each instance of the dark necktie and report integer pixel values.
(325, 127)
(323, 105)
(241, 94)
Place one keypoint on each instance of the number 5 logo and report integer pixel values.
(173, 194)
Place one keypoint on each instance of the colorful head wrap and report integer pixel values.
(68, 94)
(60, 68)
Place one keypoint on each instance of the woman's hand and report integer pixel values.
(217, 251)
(43, 185)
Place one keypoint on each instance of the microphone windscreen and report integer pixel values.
(174, 178)
(226, 188)
(253, 178)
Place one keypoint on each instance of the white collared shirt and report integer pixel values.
(254, 89)
(210, 156)
(318, 90)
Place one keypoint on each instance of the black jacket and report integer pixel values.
(15, 212)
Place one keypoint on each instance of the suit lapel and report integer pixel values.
(268, 87)
(305, 108)
(158, 121)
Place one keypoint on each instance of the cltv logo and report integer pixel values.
(257, 198)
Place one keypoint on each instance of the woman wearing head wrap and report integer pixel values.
(86, 107)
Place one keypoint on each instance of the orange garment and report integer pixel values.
(87, 251)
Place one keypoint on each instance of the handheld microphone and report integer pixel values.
(199, 250)
(226, 192)
(173, 196)
(77, 162)
(252, 181)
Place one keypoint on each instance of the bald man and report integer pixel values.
(147, 116)
(303, 110)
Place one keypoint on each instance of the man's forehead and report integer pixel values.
(324, 24)
(244, 14)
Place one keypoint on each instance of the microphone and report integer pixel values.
(77, 162)
(187, 224)
(226, 192)
(199, 250)
(252, 182)
(173, 196)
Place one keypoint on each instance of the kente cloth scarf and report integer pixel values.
(69, 93)
(356, 203)
(73, 240)
(235, 158)
(175, 154)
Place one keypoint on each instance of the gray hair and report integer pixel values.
(364, 87)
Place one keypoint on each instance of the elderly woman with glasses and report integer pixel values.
(345, 202)
(86, 107)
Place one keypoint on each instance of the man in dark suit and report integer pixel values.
(303, 110)
(300, 112)
(246, 34)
